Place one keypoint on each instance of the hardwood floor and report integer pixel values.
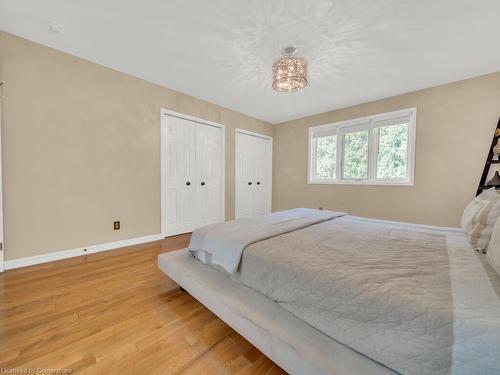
(115, 313)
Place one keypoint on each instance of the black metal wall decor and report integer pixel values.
(490, 160)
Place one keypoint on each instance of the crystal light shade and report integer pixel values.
(290, 74)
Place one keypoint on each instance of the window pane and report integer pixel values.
(356, 155)
(392, 157)
(326, 157)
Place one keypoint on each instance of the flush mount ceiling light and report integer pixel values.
(290, 72)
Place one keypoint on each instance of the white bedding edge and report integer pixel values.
(223, 243)
(291, 343)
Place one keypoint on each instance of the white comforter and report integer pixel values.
(222, 244)
(415, 298)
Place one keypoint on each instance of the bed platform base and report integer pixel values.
(291, 343)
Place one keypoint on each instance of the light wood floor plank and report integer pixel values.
(116, 313)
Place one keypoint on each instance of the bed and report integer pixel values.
(330, 293)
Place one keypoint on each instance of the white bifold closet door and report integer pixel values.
(208, 174)
(193, 172)
(253, 180)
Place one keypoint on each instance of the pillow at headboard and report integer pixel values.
(480, 217)
(493, 251)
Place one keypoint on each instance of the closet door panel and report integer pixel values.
(258, 162)
(268, 176)
(262, 192)
(253, 175)
(180, 175)
(245, 176)
(209, 174)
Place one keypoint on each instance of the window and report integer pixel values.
(375, 150)
(392, 155)
(326, 162)
(355, 151)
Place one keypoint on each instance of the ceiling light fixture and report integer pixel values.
(290, 72)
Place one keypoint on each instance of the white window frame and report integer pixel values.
(343, 127)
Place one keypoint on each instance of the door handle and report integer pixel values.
(258, 183)
(249, 183)
(188, 183)
(202, 183)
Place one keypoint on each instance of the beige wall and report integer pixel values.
(455, 124)
(81, 148)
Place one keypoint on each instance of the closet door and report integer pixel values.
(245, 176)
(209, 174)
(253, 175)
(263, 176)
(180, 174)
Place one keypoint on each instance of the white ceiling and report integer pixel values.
(222, 50)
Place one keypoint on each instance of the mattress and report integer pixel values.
(414, 298)
(290, 342)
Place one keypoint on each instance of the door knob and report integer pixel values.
(202, 183)
(258, 183)
(188, 183)
(249, 183)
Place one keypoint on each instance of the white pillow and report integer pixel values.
(479, 218)
(470, 212)
(493, 252)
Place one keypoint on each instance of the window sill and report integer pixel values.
(360, 182)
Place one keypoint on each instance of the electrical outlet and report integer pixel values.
(116, 225)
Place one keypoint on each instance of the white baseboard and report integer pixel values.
(57, 255)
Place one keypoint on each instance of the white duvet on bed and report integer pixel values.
(415, 298)
(222, 244)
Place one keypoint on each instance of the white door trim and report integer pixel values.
(248, 132)
(163, 152)
(258, 135)
(168, 112)
(2, 242)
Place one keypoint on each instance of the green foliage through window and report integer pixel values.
(326, 157)
(356, 155)
(392, 151)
